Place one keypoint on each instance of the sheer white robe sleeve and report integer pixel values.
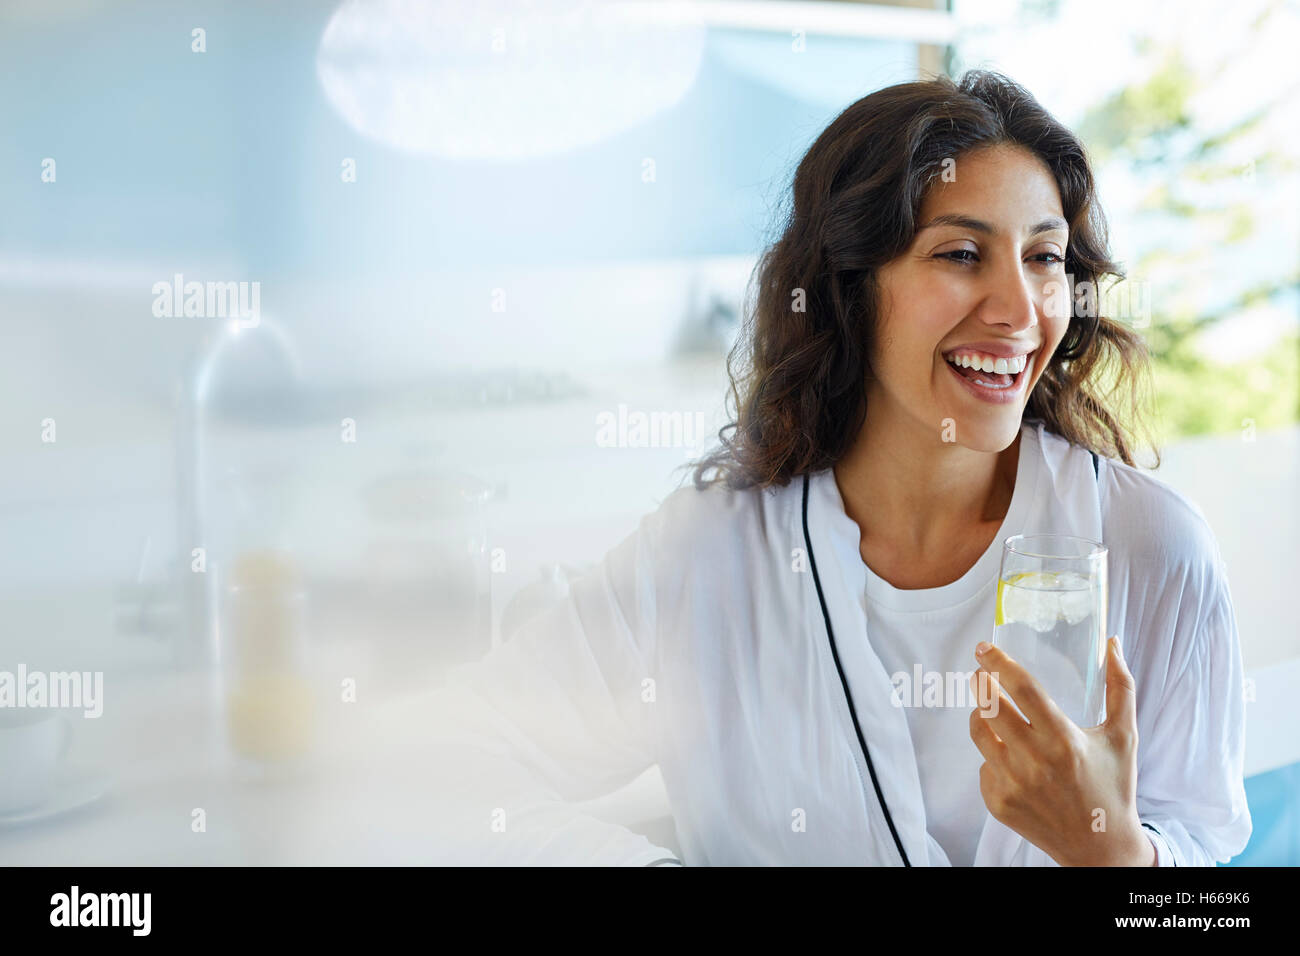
(1193, 793)
(1186, 659)
(552, 717)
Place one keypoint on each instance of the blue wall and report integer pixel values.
(1275, 814)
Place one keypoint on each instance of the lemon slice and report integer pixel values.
(999, 614)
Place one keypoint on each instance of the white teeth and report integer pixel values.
(1012, 366)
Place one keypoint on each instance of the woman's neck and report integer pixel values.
(915, 496)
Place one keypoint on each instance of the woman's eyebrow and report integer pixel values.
(979, 225)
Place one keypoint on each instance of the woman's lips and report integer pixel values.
(995, 396)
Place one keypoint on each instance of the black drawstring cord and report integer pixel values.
(812, 563)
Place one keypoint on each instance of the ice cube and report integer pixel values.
(1042, 612)
(1042, 600)
(1029, 602)
(1074, 596)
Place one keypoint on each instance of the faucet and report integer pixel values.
(196, 635)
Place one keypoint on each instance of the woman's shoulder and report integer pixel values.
(1154, 520)
(715, 517)
(1149, 518)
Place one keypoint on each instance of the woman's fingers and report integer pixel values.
(986, 741)
(1028, 694)
(1121, 693)
(994, 710)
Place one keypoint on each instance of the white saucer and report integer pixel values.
(72, 789)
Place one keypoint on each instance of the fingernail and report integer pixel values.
(982, 648)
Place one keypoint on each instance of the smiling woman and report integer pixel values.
(916, 355)
(930, 190)
(915, 392)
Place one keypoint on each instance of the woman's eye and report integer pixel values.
(968, 256)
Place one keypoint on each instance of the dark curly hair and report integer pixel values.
(798, 379)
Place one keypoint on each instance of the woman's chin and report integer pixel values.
(993, 433)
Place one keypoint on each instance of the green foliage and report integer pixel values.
(1139, 121)
(1197, 184)
(1198, 397)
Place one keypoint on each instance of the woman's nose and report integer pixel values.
(1012, 299)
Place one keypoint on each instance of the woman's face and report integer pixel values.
(984, 280)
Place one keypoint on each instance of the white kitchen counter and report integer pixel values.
(163, 757)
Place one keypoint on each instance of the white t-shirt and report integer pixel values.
(936, 630)
(914, 632)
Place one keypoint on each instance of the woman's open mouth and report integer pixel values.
(998, 388)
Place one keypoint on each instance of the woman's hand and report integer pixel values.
(1071, 792)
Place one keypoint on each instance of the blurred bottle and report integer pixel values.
(271, 711)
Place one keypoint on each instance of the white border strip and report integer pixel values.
(1272, 718)
(814, 16)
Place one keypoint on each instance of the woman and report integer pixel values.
(850, 529)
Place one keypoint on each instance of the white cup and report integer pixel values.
(32, 743)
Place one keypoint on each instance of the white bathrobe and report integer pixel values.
(699, 643)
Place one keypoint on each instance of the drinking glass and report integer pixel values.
(1050, 616)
